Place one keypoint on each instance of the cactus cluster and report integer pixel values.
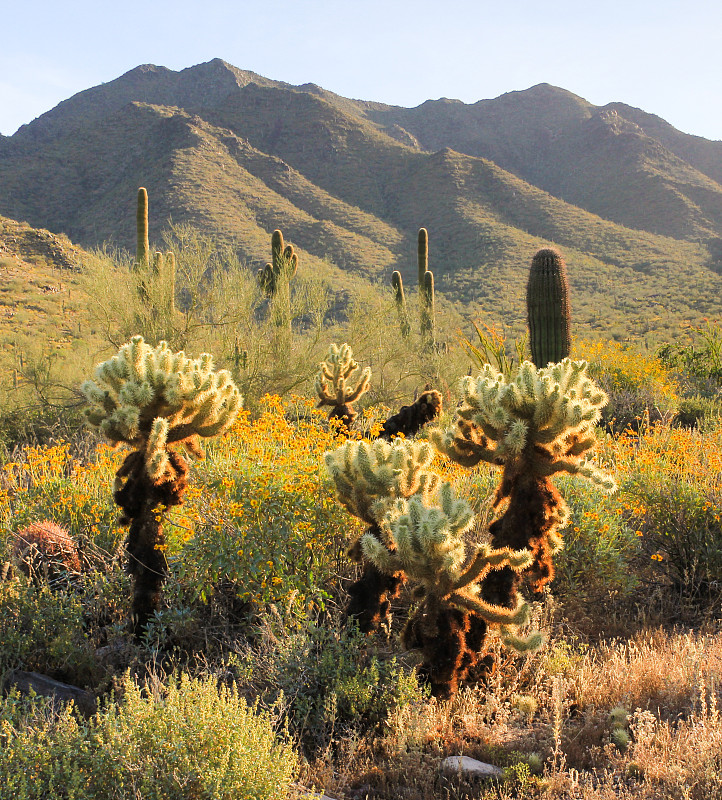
(417, 532)
(339, 384)
(154, 400)
(282, 267)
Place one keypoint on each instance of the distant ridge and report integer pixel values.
(633, 202)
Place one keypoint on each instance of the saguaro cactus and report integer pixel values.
(549, 315)
(142, 250)
(401, 308)
(427, 310)
(339, 369)
(275, 280)
(535, 425)
(154, 400)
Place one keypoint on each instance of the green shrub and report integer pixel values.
(699, 360)
(44, 631)
(599, 547)
(324, 679)
(680, 525)
(187, 740)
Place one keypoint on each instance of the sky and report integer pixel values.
(664, 57)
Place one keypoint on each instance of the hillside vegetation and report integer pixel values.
(635, 205)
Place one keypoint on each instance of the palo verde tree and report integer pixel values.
(534, 425)
(155, 402)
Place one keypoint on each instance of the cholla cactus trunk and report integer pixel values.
(371, 595)
(409, 420)
(142, 252)
(451, 642)
(549, 315)
(143, 502)
(530, 521)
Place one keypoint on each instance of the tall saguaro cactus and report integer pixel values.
(142, 250)
(401, 308)
(547, 298)
(426, 291)
(154, 401)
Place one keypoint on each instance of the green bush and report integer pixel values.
(187, 740)
(324, 679)
(599, 547)
(44, 631)
(680, 525)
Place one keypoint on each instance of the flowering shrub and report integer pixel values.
(639, 386)
(265, 517)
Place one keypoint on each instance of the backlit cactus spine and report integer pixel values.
(154, 401)
(549, 315)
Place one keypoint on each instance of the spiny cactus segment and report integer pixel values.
(549, 315)
(337, 384)
(153, 400)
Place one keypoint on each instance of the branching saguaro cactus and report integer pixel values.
(534, 426)
(275, 279)
(338, 385)
(425, 542)
(426, 292)
(156, 276)
(154, 400)
(548, 310)
(368, 477)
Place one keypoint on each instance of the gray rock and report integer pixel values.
(471, 766)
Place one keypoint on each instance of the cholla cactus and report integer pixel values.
(339, 370)
(368, 477)
(426, 542)
(537, 424)
(152, 400)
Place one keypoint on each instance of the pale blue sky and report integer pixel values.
(664, 57)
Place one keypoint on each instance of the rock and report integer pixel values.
(471, 766)
(25, 682)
